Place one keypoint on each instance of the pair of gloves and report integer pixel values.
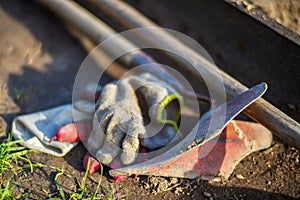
(133, 113)
(137, 110)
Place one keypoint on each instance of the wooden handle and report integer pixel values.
(262, 111)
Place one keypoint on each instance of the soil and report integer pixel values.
(286, 13)
(39, 60)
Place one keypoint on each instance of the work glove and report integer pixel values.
(121, 112)
(163, 106)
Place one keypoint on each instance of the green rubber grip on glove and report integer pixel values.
(166, 102)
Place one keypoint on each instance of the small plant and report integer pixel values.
(6, 190)
(9, 154)
(82, 194)
(33, 88)
(20, 95)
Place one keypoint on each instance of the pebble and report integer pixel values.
(240, 176)
(206, 194)
(21, 190)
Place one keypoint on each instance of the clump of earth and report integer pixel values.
(284, 12)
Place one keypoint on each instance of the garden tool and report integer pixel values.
(202, 153)
(262, 111)
(118, 122)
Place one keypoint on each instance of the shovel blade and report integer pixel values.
(236, 141)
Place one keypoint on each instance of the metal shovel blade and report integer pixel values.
(207, 155)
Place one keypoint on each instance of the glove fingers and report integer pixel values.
(111, 147)
(108, 96)
(131, 143)
(96, 138)
(124, 90)
(102, 118)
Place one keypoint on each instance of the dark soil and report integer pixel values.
(39, 61)
(286, 13)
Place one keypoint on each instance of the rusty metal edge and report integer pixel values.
(269, 22)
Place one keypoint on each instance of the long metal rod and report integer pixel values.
(262, 111)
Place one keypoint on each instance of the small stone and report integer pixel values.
(268, 164)
(21, 190)
(206, 194)
(174, 180)
(240, 176)
(178, 190)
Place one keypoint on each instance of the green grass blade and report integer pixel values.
(99, 184)
(84, 178)
(5, 193)
(60, 190)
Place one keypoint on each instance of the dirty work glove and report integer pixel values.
(118, 121)
(117, 124)
(163, 104)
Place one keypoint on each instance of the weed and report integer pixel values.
(20, 95)
(6, 190)
(33, 88)
(9, 154)
(82, 194)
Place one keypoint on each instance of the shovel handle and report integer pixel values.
(262, 111)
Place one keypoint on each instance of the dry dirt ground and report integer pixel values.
(39, 61)
(284, 12)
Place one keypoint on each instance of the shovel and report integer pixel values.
(211, 150)
(262, 111)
